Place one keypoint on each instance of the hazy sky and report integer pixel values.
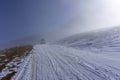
(19, 18)
(95, 14)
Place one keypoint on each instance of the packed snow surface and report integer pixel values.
(89, 56)
(55, 62)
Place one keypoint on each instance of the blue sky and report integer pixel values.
(19, 18)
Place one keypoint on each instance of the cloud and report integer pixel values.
(95, 14)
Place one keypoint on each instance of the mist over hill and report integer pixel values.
(98, 39)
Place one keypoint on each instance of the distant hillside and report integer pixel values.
(108, 38)
(30, 40)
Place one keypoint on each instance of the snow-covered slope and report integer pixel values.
(104, 40)
(54, 62)
(88, 56)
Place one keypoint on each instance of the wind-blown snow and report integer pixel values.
(104, 40)
(53, 62)
(90, 56)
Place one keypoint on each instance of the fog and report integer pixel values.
(95, 14)
(24, 18)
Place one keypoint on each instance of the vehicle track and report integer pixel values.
(57, 63)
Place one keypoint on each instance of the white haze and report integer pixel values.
(89, 15)
(94, 14)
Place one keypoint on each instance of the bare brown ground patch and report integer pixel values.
(10, 54)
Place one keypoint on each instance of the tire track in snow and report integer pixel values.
(59, 63)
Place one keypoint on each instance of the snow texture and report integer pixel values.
(54, 62)
(90, 56)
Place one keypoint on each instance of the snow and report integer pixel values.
(23, 70)
(15, 66)
(90, 56)
(107, 40)
(55, 62)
